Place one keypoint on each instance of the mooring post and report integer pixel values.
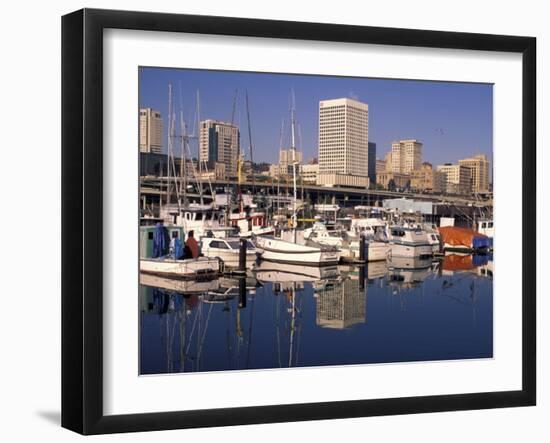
(242, 256)
(362, 243)
(362, 273)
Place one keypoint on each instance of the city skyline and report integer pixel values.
(452, 120)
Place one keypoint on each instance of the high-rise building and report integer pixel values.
(371, 162)
(219, 143)
(343, 137)
(406, 156)
(150, 131)
(479, 164)
(458, 178)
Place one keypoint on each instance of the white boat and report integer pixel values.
(486, 227)
(296, 250)
(349, 242)
(433, 237)
(253, 223)
(195, 217)
(187, 268)
(227, 249)
(409, 242)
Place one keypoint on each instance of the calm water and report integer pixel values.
(288, 316)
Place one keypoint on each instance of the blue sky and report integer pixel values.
(452, 120)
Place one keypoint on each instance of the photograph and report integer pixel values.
(290, 220)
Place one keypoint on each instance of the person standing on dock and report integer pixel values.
(191, 246)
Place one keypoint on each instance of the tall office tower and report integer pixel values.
(406, 156)
(219, 143)
(479, 164)
(371, 162)
(343, 137)
(150, 131)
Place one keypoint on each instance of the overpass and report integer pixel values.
(154, 187)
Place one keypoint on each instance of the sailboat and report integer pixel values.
(292, 246)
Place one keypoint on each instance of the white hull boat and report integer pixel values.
(227, 250)
(409, 242)
(278, 250)
(188, 268)
(376, 251)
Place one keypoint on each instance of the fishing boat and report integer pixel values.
(227, 249)
(406, 241)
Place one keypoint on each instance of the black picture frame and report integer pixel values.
(82, 190)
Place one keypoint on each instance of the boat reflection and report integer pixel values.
(284, 315)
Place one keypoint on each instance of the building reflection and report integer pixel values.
(342, 304)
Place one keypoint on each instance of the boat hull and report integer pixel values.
(281, 251)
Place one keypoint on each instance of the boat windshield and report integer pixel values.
(234, 244)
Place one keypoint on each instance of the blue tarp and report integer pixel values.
(479, 242)
(161, 241)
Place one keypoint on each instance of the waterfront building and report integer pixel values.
(219, 142)
(150, 131)
(406, 156)
(342, 305)
(458, 178)
(309, 173)
(371, 162)
(391, 180)
(479, 165)
(343, 137)
(426, 178)
(345, 180)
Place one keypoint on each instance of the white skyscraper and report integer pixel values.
(150, 131)
(406, 156)
(343, 137)
(219, 143)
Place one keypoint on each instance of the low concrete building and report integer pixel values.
(339, 179)
(458, 178)
(309, 173)
(393, 179)
(426, 178)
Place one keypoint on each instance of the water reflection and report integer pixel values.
(289, 316)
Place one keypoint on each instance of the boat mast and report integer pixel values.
(199, 178)
(250, 144)
(293, 151)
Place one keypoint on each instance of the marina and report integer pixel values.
(346, 259)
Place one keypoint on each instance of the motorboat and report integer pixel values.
(407, 241)
(228, 249)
